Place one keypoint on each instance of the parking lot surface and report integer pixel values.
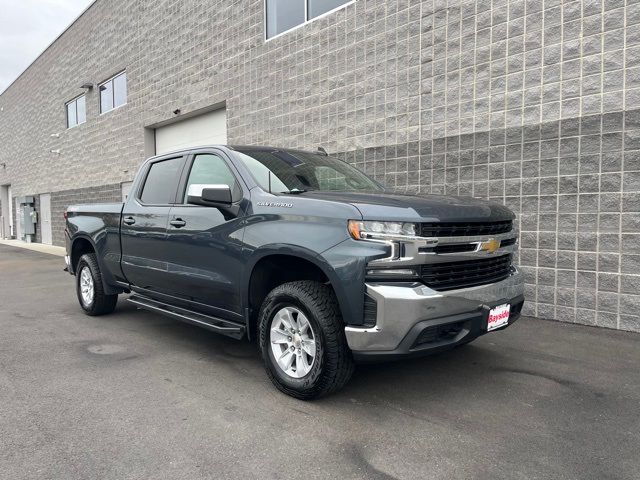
(137, 395)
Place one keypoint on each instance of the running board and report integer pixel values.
(214, 324)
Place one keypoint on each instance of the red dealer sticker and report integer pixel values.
(498, 317)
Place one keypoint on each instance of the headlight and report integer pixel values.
(372, 229)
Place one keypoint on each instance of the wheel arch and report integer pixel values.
(264, 272)
(82, 244)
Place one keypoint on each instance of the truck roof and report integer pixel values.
(240, 148)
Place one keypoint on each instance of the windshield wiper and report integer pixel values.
(295, 191)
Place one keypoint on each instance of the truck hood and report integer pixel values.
(426, 208)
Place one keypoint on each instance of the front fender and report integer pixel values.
(304, 254)
(347, 261)
(343, 264)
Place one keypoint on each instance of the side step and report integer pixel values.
(215, 324)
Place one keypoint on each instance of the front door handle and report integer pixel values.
(178, 223)
(128, 220)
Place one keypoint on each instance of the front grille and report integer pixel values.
(464, 229)
(508, 241)
(467, 273)
(455, 248)
(462, 247)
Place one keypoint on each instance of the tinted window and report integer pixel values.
(283, 15)
(281, 171)
(318, 7)
(162, 182)
(209, 169)
(330, 179)
(266, 178)
(113, 92)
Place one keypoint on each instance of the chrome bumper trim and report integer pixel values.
(399, 308)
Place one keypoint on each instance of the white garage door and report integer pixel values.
(206, 129)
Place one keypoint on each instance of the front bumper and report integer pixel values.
(412, 319)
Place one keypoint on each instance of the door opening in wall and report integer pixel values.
(19, 220)
(45, 218)
(6, 212)
(12, 232)
(208, 128)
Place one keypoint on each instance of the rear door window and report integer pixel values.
(162, 182)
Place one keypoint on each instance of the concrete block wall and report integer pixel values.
(62, 199)
(527, 102)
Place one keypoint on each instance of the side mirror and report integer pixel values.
(209, 195)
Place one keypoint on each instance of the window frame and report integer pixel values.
(75, 101)
(306, 17)
(139, 189)
(186, 171)
(113, 92)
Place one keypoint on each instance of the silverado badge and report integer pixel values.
(275, 204)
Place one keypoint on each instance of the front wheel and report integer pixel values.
(89, 287)
(302, 340)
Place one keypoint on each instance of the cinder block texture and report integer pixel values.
(533, 104)
(62, 199)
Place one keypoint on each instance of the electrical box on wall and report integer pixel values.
(28, 213)
(28, 217)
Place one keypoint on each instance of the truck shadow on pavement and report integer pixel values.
(420, 376)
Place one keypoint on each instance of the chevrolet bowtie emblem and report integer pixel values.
(490, 246)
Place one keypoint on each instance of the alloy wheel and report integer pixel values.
(87, 290)
(293, 342)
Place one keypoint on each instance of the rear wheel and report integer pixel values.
(302, 340)
(89, 287)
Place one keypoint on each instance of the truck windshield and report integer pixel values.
(288, 171)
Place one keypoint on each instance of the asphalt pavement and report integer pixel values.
(134, 395)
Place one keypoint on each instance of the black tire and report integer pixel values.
(333, 365)
(102, 303)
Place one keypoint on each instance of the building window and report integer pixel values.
(284, 15)
(315, 8)
(113, 92)
(76, 111)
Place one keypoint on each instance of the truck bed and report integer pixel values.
(100, 224)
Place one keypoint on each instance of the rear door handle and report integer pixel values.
(178, 223)
(128, 220)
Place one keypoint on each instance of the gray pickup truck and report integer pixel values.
(302, 253)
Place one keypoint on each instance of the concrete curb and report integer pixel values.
(36, 247)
